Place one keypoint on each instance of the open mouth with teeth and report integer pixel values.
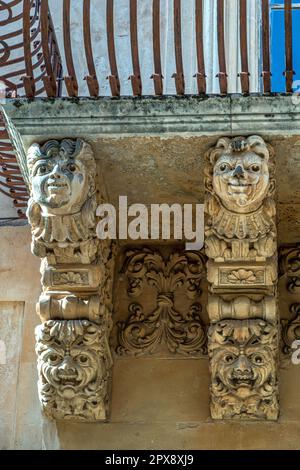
(242, 381)
(57, 185)
(68, 380)
(240, 185)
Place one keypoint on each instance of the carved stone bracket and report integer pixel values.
(240, 242)
(243, 356)
(74, 365)
(74, 360)
(164, 326)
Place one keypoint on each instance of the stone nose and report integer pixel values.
(56, 172)
(67, 365)
(239, 172)
(243, 365)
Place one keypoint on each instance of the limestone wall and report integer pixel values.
(159, 402)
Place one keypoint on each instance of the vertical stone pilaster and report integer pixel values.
(74, 359)
(242, 271)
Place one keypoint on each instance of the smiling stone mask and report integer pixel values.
(240, 172)
(61, 175)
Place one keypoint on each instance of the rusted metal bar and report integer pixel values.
(48, 78)
(289, 72)
(91, 78)
(222, 75)
(55, 57)
(135, 78)
(200, 75)
(114, 76)
(70, 80)
(157, 75)
(28, 80)
(179, 75)
(266, 73)
(244, 74)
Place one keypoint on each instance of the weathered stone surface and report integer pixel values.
(241, 243)
(11, 325)
(74, 360)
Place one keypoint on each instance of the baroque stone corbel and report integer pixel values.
(74, 360)
(240, 242)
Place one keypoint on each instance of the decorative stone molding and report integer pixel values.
(289, 266)
(290, 330)
(240, 242)
(165, 326)
(289, 269)
(243, 357)
(74, 360)
(241, 308)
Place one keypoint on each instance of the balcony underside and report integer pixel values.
(152, 149)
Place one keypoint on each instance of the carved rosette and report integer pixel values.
(240, 242)
(74, 360)
(146, 333)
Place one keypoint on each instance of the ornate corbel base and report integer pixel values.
(72, 343)
(242, 271)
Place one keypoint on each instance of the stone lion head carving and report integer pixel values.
(243, 357)
(62, 175)
(73, 364)
(240, 173)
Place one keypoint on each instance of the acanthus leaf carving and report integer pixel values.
(146, 333)
(290, 329)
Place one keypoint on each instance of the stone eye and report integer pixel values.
(42, 170)
(72, 167)
(255, 168)
(53, 358)
(229, 358)
(257, 359)
(83, 359)
(223, 167)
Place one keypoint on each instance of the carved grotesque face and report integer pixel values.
(243, 356)
(70, 361)
(59, 184)
(241, 180)
(69, 370)
(60, 174)
(243, 368)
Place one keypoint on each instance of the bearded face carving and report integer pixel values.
(243, 368)
(73, 363)
(61, 175)
(241, 173)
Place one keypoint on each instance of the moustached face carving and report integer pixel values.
(241, 174)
